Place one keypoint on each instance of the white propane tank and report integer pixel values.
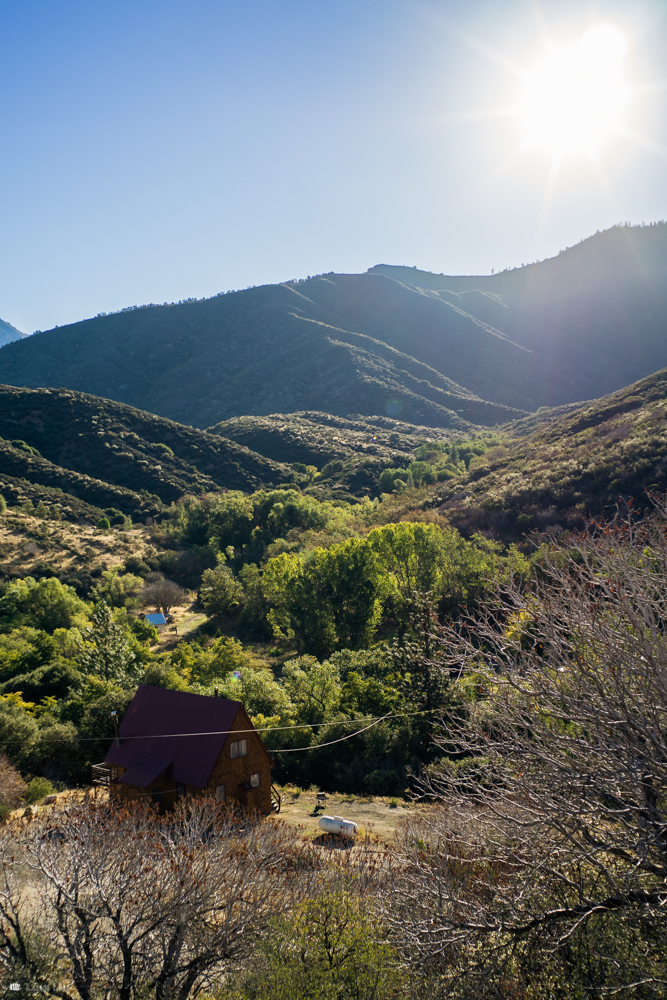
(337, 824)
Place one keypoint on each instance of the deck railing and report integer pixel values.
(100, 775)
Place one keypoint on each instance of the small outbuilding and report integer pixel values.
(157, 621)
(173, 743)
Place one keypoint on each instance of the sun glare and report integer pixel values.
(575, 95)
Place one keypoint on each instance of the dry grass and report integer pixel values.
(375, 816)
(28, 544)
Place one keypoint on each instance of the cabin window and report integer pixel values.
(255, 780)
(220, 793)
(180, 791)
(239, 749)
(113, 773)
(157, 795)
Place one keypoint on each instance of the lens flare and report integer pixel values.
(575, 95)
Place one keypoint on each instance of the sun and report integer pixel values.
(574, 96)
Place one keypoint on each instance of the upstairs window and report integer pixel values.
(239, 749)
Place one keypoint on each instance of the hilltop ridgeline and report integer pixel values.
(434, 350)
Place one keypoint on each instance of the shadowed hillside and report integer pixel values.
(313, 438)
(261, 351)
(109, 454)
(434, 350)
(347, 454)
(593, 318)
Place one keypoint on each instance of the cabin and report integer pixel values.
(157, 621)
(171, 744)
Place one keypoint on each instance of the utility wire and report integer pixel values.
(265, 729)
(331, 743)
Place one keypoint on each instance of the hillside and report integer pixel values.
(107, 454)
(435, 350)
(577, 464)
(317, 438)
(348, 454)
(8, 333)
(260, 351)
(592, 319)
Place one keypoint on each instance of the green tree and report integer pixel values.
(220, 591)
(328, 601)
(413, 553)
(420, 659)
(313, 688)
(23, 650)
(331, 948)
(253, 621)
(262, 696)
(108, 652)
(46, 604)
(18, 733)
(204, 665)
(119, 590)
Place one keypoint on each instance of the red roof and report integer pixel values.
(150, 742)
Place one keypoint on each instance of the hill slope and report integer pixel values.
(258, 351)
(313, 438)
(107, 454)
(442, 351)
(593, 318)
(348, 454)
(577, 464)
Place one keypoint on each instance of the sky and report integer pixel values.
(156, 150)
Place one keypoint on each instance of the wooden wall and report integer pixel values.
(230, 773)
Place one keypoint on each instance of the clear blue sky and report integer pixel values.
(154, 150)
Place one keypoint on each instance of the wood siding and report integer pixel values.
(233, 774)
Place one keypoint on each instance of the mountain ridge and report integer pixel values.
(437, 350)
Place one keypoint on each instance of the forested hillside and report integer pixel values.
(593, 317)
(438, 350)
(263, 350)
(108, 454)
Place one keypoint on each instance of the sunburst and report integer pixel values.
(575, 96)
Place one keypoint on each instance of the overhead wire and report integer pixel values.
(267, 729)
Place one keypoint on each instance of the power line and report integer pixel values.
(265, 729)
(331, 743)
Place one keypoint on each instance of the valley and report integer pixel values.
(394, 515)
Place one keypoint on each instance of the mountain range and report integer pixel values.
(432, 350)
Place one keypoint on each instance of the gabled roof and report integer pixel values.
(149, 736)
